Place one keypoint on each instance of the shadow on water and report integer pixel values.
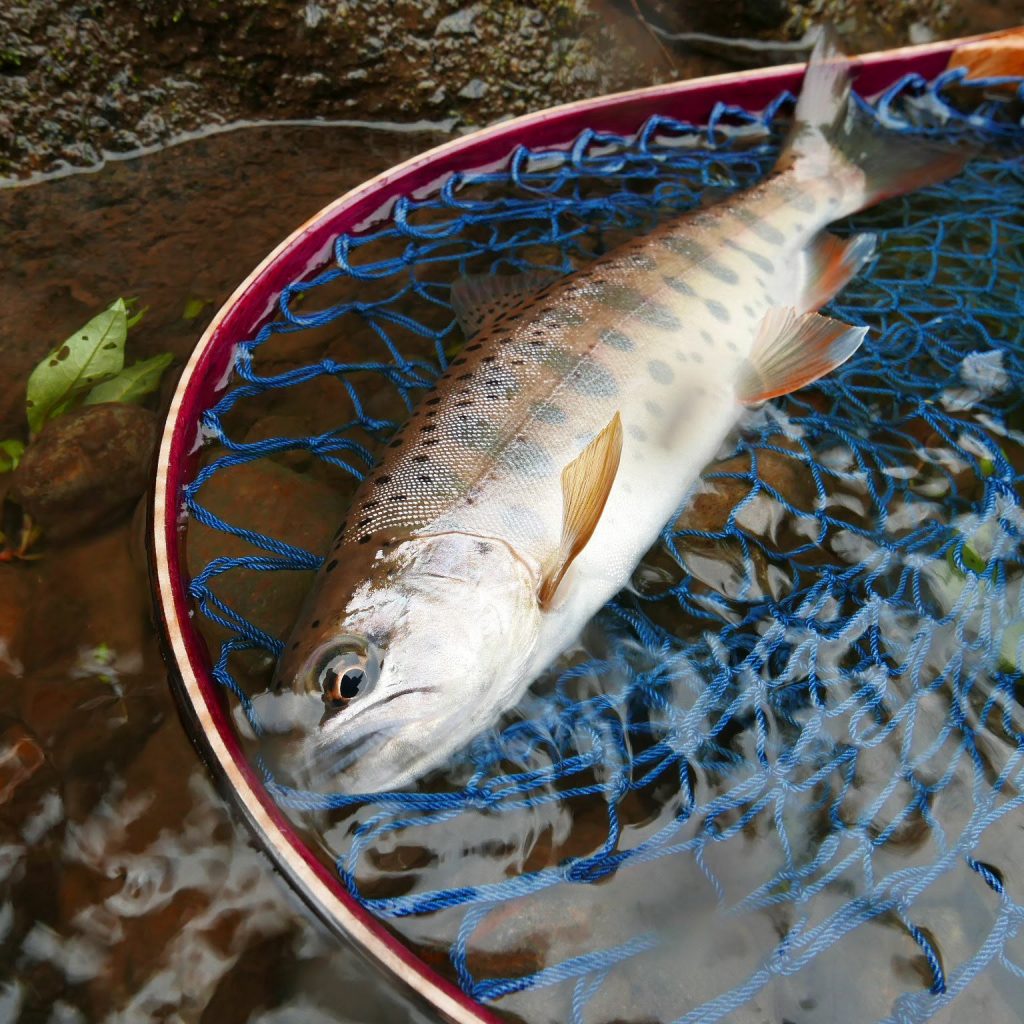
(126, 890)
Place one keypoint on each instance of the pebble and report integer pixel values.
(86, 468)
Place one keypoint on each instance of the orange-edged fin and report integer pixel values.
(998, 55)
(586, 484)
(479, 298)
(831, 262)
(792, 351)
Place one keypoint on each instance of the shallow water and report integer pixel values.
(127, 891)
(737, 877)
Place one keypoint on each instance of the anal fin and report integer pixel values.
(586, 484)
(791, 351)
(831, 263)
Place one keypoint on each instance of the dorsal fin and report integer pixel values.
(478, 298)
(791, 351)
(586, 484)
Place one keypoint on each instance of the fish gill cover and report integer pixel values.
(781, 776)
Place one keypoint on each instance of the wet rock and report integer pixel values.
(86, 595)
(473, 90)
(15, 596)
(21, 758)
(86, 468)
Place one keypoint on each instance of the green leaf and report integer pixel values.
(10, 455)
(193, 308)
(133, 383)
(94, 353)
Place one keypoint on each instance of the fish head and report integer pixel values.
(429, 648)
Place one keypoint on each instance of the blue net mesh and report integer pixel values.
(791, 752)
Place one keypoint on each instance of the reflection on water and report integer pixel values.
(127, 892)
(783, 795)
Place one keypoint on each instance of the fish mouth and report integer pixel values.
(334, 757)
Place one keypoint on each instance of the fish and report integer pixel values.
(531, 479)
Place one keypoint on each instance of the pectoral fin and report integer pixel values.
(791, 351)
(586, 484)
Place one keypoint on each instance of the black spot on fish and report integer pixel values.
(385, 479)
(421, 458)
(424, 479)
(488, 359)
(765, 231)
(749, 310)
(315, 623)
(396, 443)
(616, 339)
(528, 458)
(731, 346)
(365, 521)
(428, 427)
(474, 346)
(660, 371)
(803, 201)
(618, 296)
(370, 504)
(331, 565)
(719, 271)
(459, 361)
(398, 497)
(550, 414)
(591, 378)
(759, 261)
(678, 284)
(637, 433)
(464, 376)
(295, 646)
(717, 310)
(434, 401)
(706, 336)
(365, 539)
(657, 315)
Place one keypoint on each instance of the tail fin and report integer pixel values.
(830, 137)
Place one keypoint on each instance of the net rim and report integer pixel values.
(200, 699)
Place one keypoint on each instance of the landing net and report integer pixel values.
(782, 775)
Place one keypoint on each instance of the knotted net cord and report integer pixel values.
(830, 657)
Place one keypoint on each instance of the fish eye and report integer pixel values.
(346, 672)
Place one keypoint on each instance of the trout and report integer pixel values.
(535, 474)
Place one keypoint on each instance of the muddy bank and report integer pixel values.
(80, 79)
